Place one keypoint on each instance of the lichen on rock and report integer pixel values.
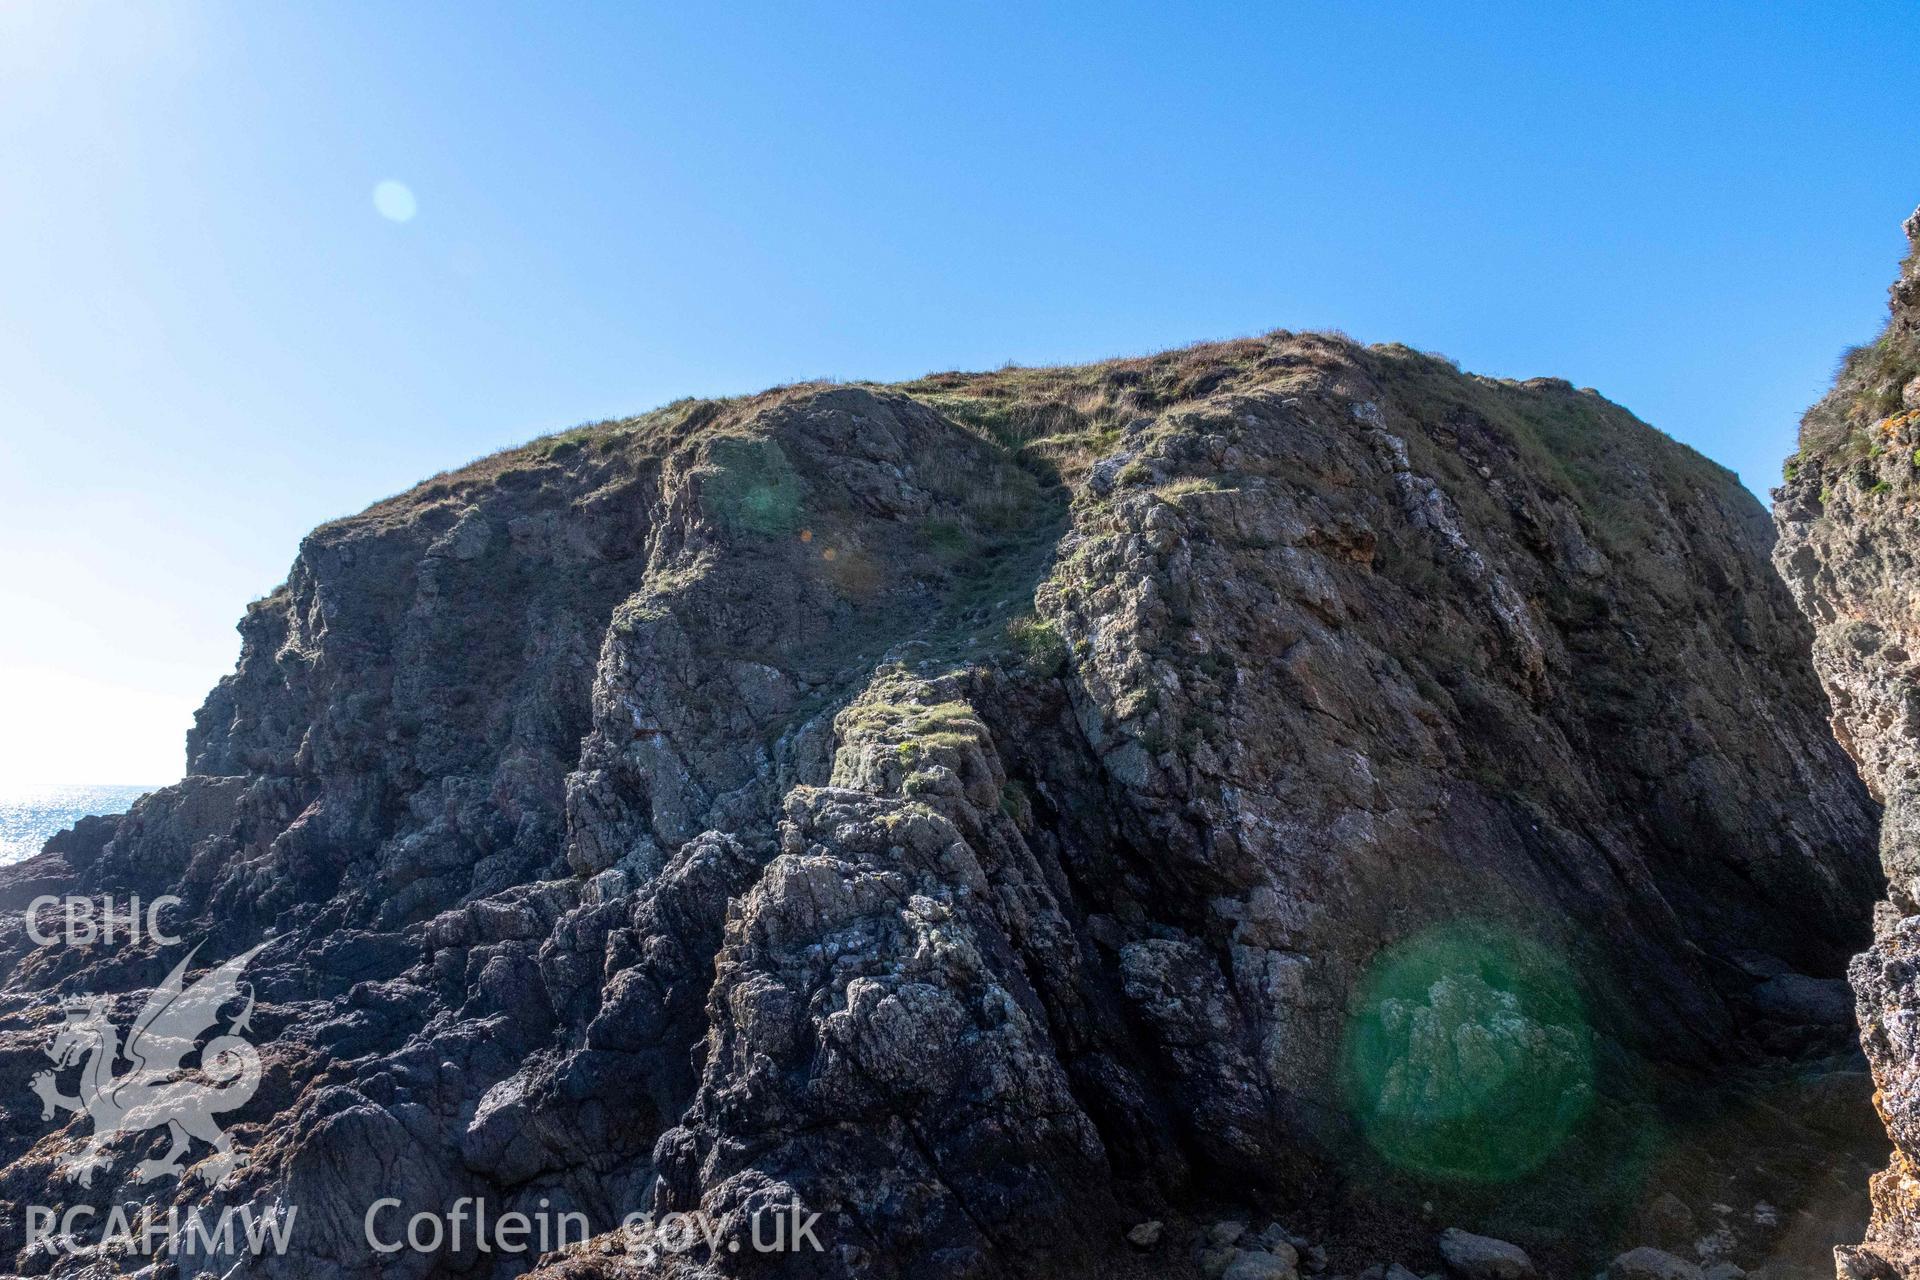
(1848, 552)
(977, 811)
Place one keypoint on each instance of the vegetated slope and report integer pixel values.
(1876, 383)
(1848, 548)
(1278, 777)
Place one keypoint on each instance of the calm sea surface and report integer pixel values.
(29, 813)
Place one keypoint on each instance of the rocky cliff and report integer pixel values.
(1848, 547)
(1027, 819)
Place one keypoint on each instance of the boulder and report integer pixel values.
(1146, 1235)
(1257, 1264)
(1473, 1257)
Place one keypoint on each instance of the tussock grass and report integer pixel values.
(1869, 383)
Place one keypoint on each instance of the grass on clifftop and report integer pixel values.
(1869, 384)
(1067, 417)
(1866, 390)
(1593, 450)
(1071, 416)
(1057, 421)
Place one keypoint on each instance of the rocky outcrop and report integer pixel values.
(1003, 823)
(1848, 550)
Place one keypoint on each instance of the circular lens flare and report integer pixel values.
(1467, 1055)
(752, 488)
(394, 201)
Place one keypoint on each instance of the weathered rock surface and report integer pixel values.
(1473, 1257)
(1848, 549)
(995, 812)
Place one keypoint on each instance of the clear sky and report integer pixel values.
(217, 334)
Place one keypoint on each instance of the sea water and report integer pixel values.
(30, 812)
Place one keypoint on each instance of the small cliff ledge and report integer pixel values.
(1023, 818)
(1848, 548)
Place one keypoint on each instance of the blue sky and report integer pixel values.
(215, 340)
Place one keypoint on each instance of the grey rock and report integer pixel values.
(1146, 1235)
(1647, 1263)
(810, 799)
(1282, 1250)
(1274, 1233)
(1257, 1264)
(1847, 551)
(1863, 1264)
(1215, 1260)
(1475, 1257)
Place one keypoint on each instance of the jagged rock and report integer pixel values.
(1646, 1263)
(986, 813)
(1862, 1264)
(1848, 552)
(1475, 1257)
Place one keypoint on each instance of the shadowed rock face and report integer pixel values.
(997, 810)
(1848, 550)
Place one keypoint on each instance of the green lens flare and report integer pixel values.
(753, 488)
(1467, 1054)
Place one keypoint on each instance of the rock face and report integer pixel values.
(1848, 549)
(990, 813)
